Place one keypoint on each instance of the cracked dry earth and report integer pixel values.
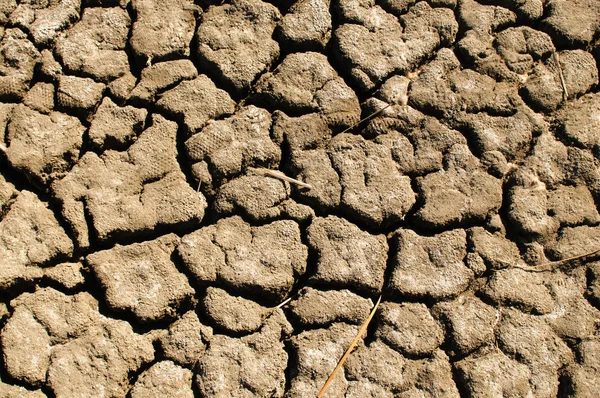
(143, 249)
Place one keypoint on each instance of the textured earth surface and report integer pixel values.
(145, 246)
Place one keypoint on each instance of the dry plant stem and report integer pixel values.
(560, 75)
(362, 330)
(372, 115)
(554, 264)
(281, 176)
(284, 302)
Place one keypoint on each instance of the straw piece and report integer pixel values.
(287, 300)
(281, 176)
(560, 75)
(362, 330)
(372, 115)
(551, 266)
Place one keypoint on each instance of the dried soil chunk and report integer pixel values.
(77, 93)
(377, 365)
(95, 45)
(114, 127)
(102, 359)
(527, 291)
(573, 317)
(582, 380)
(424, 140)
(50, 68)
(18, 58)
(307, 25)
(6, 8)
(79, 352)
(46, 19)
(196, 102)
(234, 314)
(320, 308)
(347, 256)
(121, 87)
(159, 77)
(528, 211)
(133, 191)
(532, 341)
(409, 328)
(13, 391)
(444, 88)
(574, 22)
(307, 137)
(29, 236)
(67, 275)
(262, 260)
(40, 98)
(232, 145)
(373, 44)
(259, 198)
(141, 279)
(255, 196)
(373, 189)
(186, 341)
(26, 348)
(484, 18)
(44, 146)
(436, 262)
(162, 28)
(576, 241)
(578, 122)
(40, 320)
(314, 167)
(235, 41)
(572, 206)
(470, 322)
(318, 352)
(494, 375)
(7, 194)
(553, 163)
(544, 89)
(495, 249)
(251, 366)
(306, 82)
(164, 379)
(511, 135)
(460, 194)
(431, 377)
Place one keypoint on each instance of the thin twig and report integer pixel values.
(362, 330)
(281, 176)
(551, 266)
(560, 75)
(284, 302)
(372, 115)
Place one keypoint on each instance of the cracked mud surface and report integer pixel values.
(144, 250)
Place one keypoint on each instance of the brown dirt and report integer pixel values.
(145, 246)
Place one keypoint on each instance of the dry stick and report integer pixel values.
(372, 115)
(551, 266)
(284, 302)
(362, 330)
(281, 176)
(560, 75)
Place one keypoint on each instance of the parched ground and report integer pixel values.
(144, 246)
